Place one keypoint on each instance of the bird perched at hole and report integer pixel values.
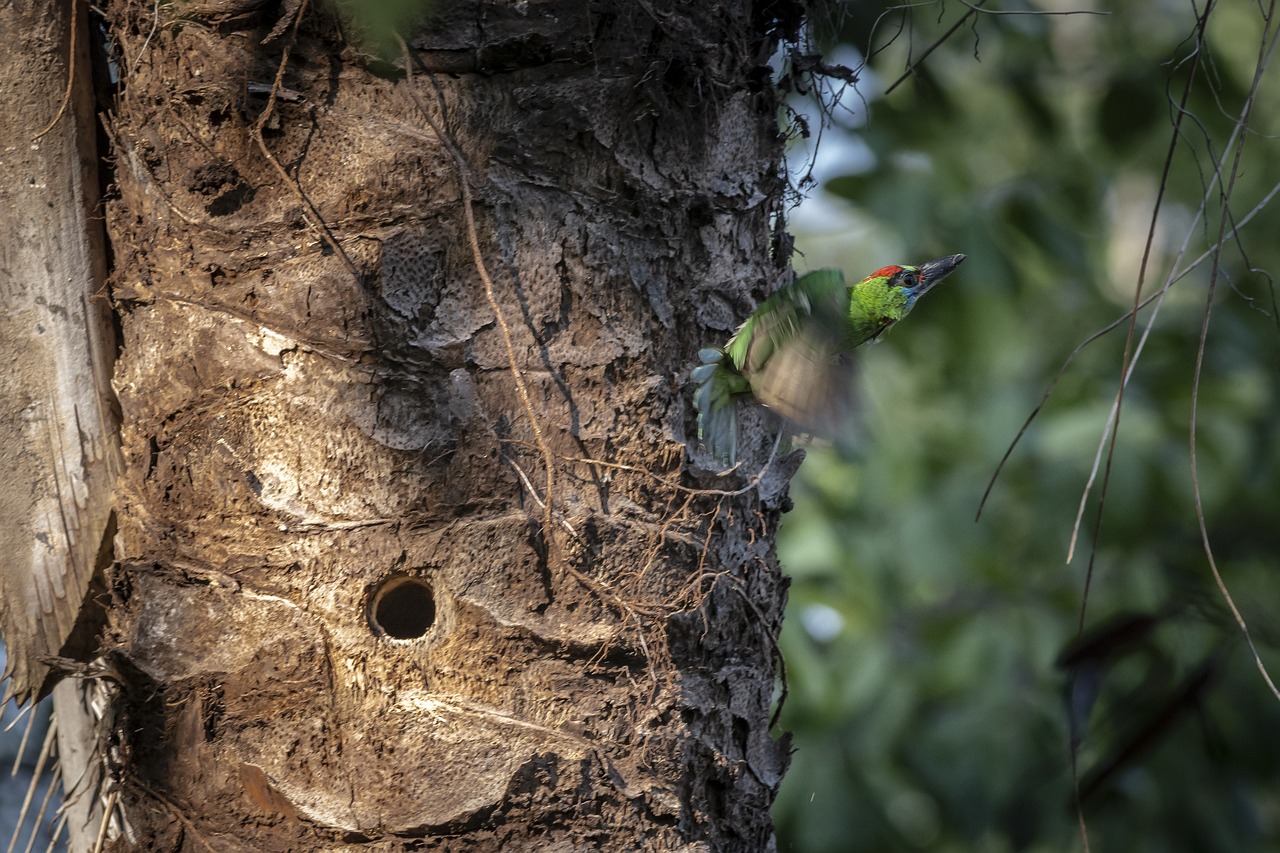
(792, 353)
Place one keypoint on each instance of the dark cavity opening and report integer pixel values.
(403, 608)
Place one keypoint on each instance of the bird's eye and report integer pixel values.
(906, 278)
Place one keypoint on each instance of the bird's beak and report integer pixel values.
(935, 271)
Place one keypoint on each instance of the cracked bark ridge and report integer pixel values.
(336, 613)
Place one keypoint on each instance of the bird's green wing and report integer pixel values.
(793, 351)
(814, 304)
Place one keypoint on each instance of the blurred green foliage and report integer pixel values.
(929, 709)
(376, 25)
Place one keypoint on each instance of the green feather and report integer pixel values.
(792, 353)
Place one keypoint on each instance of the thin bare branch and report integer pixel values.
(974, 8)
(1266, 50)
(1156, 297)
(1127, 359)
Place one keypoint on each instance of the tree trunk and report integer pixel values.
(59, 455)
(410, 550)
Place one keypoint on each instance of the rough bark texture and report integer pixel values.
(339, 614)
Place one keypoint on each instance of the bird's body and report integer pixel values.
(792, 353)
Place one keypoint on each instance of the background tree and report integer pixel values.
(409, 548)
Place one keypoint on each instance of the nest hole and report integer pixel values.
(402, 608)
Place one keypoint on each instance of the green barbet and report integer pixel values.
(792, 353)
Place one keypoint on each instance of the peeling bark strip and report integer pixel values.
(58, 452)
(339, 614)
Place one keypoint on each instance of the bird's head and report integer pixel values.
(888, 294)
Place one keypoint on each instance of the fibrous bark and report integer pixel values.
(58, 457)
(349, 602)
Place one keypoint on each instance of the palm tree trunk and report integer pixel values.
(411, 548)
(59, 455)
